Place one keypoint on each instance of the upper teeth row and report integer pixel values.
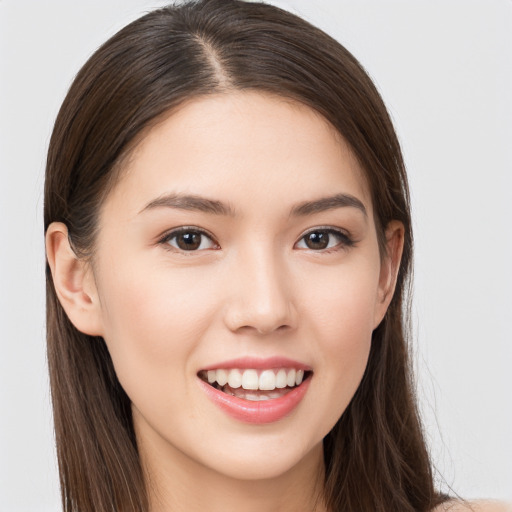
(250, 379)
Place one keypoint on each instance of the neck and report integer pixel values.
(178, 484)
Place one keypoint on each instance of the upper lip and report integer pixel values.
(258, 364)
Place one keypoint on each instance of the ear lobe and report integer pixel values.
(73, 281)
(390, 266)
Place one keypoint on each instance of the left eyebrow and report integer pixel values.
(328, 203)
(190, 202)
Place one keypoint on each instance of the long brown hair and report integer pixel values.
(375, 456)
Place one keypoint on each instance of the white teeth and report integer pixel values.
(250, 379)
(256, 398)
(235, 379)
(267, 380)
(281, 379)
(222, 377)
(290, 379)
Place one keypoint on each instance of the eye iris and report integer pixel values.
(188, 241)
(317, 240)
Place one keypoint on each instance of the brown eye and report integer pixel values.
(189, 240)
(322, 239)
(317, 240)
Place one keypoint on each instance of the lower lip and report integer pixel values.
(263, 411)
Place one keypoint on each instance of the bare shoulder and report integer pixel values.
(474, 506)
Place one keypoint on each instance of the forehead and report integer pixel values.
(239, 147)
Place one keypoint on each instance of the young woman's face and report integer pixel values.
(239, 244)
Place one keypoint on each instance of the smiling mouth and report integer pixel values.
(255, 385)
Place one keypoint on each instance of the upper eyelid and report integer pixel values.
(331, 229)
(346, 238)
(176, 231)
(183, 229)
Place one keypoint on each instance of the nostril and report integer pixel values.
(261, 306)
(271, 329)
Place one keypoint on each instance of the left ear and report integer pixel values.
(390, 264)
(73, 281)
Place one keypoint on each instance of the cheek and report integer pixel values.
(341, 311)
(153, 322)
(342, 304)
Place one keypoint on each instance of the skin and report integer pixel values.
(252, 288)
(476, 506)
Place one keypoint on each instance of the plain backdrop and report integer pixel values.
(444, 68)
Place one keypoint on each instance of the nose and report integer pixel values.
(261, 300)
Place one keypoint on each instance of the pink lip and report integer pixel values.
(258, 364)
(265, 411)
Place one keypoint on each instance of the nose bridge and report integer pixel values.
(262, 298)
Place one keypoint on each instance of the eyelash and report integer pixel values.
(167, 237)
(345, 240)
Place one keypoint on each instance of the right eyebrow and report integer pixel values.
(190, 202)
(329, 203)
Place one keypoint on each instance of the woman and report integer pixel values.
(229, 244)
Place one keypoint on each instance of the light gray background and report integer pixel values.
(444, 68)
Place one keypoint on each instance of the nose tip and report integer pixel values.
(268, 329)
(262, 301)
(262, 319)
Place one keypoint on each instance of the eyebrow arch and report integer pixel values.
(203, 204)
(189, 202)
(328, 203)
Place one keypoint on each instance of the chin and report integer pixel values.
(266, 464)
